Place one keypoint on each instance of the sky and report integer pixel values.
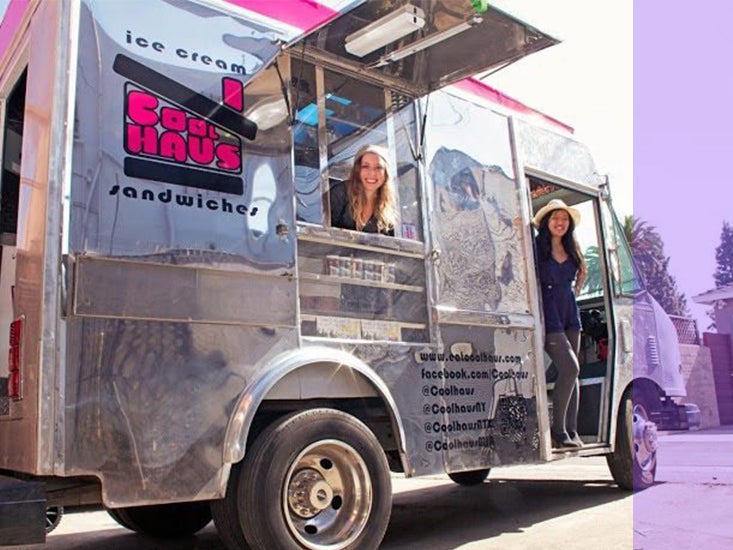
(585, 81)
(683, 133)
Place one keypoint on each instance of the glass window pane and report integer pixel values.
(308, 203)
(359, 114)
(629, 280)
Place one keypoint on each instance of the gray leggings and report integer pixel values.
(563, 347)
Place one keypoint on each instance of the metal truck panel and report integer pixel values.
(188, 293)
(140, 188)
(150, 401)
(28, 438)
(558, 155)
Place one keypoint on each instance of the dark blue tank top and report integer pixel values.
(558, 300)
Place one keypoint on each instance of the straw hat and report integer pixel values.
(556, 204)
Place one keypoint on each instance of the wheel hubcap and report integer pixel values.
(309, 493)
(327, 496)
(645, 439)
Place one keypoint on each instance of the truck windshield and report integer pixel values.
(626, 277)
(629, 280)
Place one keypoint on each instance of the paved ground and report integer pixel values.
(571, 504)
(691, 505)
(530, 507)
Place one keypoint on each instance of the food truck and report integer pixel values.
(187, 335)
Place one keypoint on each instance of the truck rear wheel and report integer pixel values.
(176, 520)
(474, 477)
(316, 479)
(225, 512)
(633, 464)
(53, 517)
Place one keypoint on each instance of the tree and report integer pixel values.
(594, 280)
(648, 250)
(724, 257)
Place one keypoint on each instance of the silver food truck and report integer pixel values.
(187, 335)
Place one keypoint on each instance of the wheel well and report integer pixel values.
(649, 390)
(644, 386)
(316, 376)
(372, 411)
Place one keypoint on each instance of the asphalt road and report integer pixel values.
(569, 504)
(691, 505)
(539, 506)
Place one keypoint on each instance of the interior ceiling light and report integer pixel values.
(391, 27)
(426, 42)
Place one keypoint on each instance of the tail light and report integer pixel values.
(15, 386)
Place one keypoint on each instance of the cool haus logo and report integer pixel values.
(159, 130)
(173, 134)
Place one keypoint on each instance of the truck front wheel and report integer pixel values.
(315, 479)
(633, 464)
(475, 477)
(175, 520)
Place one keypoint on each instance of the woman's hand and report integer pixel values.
(580, 278)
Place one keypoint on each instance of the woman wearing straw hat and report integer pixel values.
(562, 272)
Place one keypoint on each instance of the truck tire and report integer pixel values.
(315, 479)
(467, 479)
(225, 513)
(633, 464)
(53, 517)
(176, 520)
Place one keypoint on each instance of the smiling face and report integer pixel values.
(559, 223)
(372, 173)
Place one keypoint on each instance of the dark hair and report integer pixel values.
(544, 240)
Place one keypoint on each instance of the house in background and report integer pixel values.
(722, 301)
(721, 346)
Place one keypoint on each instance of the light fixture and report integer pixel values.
(424, 43)
(268, 113)
(391, 27)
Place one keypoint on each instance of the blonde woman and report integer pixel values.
(366, 202)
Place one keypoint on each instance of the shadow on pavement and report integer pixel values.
(439, 517)
(452, 515)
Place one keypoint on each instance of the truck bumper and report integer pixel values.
(671, 417)
(22, 511)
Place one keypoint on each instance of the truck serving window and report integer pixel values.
(354, 285)
(335, 115)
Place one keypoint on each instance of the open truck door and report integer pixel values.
(649, 378)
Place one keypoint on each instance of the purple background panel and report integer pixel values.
(683, 147)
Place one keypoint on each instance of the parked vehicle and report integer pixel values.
(188, 335)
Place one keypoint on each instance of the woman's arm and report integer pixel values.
(339, 205)
(580, 277)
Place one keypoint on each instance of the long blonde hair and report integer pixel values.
(385, 211)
